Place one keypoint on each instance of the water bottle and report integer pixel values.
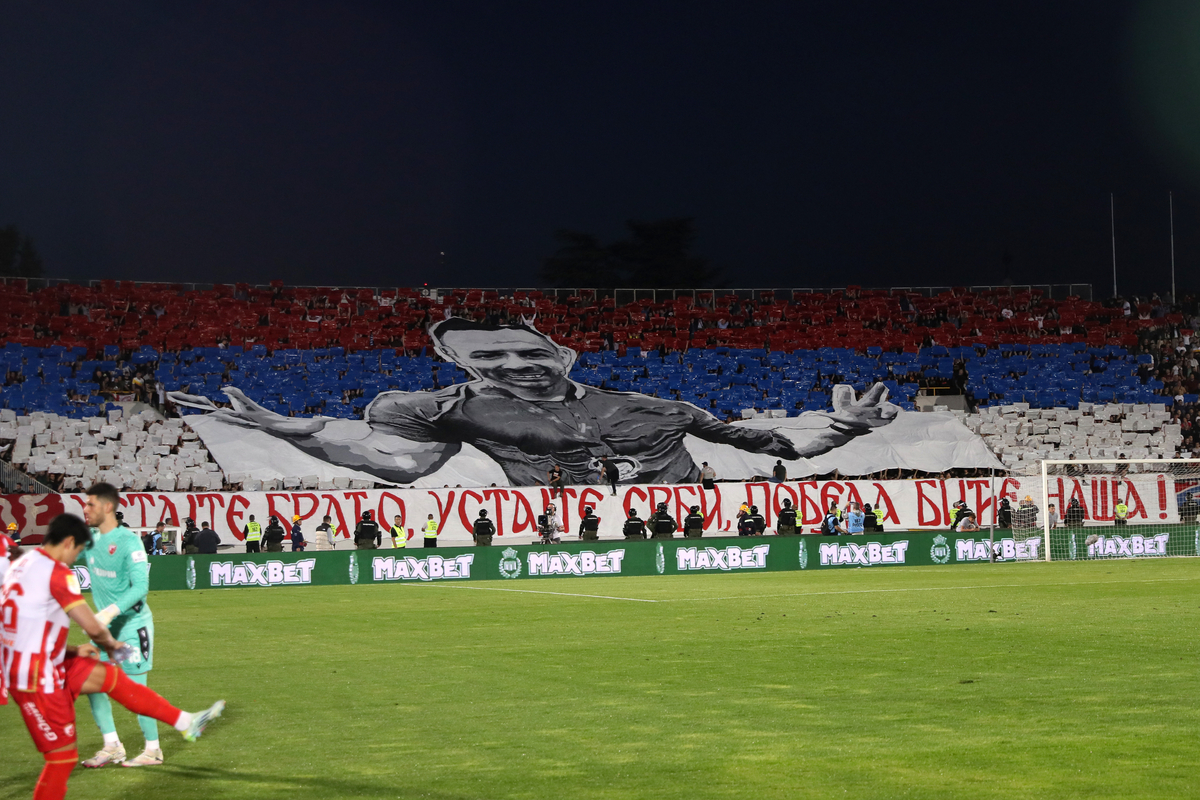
(353, 568)
(191, 573)
(122, 654)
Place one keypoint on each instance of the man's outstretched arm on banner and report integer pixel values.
(850, 419)
(388, 456)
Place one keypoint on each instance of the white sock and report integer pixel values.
(184, 721)
(152, 744)
(112, 740)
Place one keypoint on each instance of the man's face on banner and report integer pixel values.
(516, 359)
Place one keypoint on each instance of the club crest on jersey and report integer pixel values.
(112, 549)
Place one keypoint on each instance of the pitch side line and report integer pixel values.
(531, 591)
(915, 589)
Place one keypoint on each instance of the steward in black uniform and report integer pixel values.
(870, 519)
(187, 543)
(634, 528)
(483, 529)
(189, 532)
(752, 524)
(367, 535)
(1004, 517)
(662, 524)
(589, 526)
(693, 523)
(787, 520)
(1189, 509)
(274, 535)
(1075, 514)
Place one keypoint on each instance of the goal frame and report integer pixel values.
(1046, 462)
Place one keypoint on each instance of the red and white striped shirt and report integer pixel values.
(35, 597)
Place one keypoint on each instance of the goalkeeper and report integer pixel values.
(120, 575)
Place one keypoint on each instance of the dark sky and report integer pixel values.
(881, 143)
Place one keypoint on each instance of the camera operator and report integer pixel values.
(549, 525)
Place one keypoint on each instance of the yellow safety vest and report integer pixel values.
(1122, 510)
(399, 537)
(878, 512)
(253, 531)
(431, 529)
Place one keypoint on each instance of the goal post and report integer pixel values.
(1120, 508)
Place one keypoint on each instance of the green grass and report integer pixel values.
(1030, 680)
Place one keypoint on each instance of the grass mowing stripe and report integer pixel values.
(530, 591)
(915, 589)
(1088, 689)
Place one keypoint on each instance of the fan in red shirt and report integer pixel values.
(38, 599)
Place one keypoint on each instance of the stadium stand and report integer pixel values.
(72, 351)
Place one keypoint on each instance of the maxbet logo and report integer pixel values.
(270, 573)
(1129, 546)
(430, 568)
(725, 558)
(862, 555)
(585, 563)
(1005, 549)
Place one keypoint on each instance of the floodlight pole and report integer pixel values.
(1112, 223)
(1171, 205)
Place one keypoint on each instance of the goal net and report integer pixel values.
(1120, 508)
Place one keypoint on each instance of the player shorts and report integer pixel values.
(138, 633)
(50, 718)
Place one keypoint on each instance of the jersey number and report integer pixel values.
(8, 611)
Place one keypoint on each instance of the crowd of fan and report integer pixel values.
(120, 321)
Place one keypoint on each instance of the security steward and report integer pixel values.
(483, 530)
(662, 524)
(693, 523)
(635, 527)
(787, 520)
(399, 536)
(188, 541)
(367, 535)
(252, 532)
(14, 533)
(1122, 512)
(589, 526)
(752, 524)
(274, 535)
(431, 531)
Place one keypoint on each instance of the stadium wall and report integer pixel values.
(610, 559)
(907, 504)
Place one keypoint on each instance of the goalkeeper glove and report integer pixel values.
(107, 615)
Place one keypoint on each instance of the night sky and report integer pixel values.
(816, 145)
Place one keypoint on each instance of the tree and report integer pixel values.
(18, 256)
(655, 255)
(580, 261)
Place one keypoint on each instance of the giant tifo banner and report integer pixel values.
(521, 414)
(906, 505)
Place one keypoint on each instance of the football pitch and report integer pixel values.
(1026, 680)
